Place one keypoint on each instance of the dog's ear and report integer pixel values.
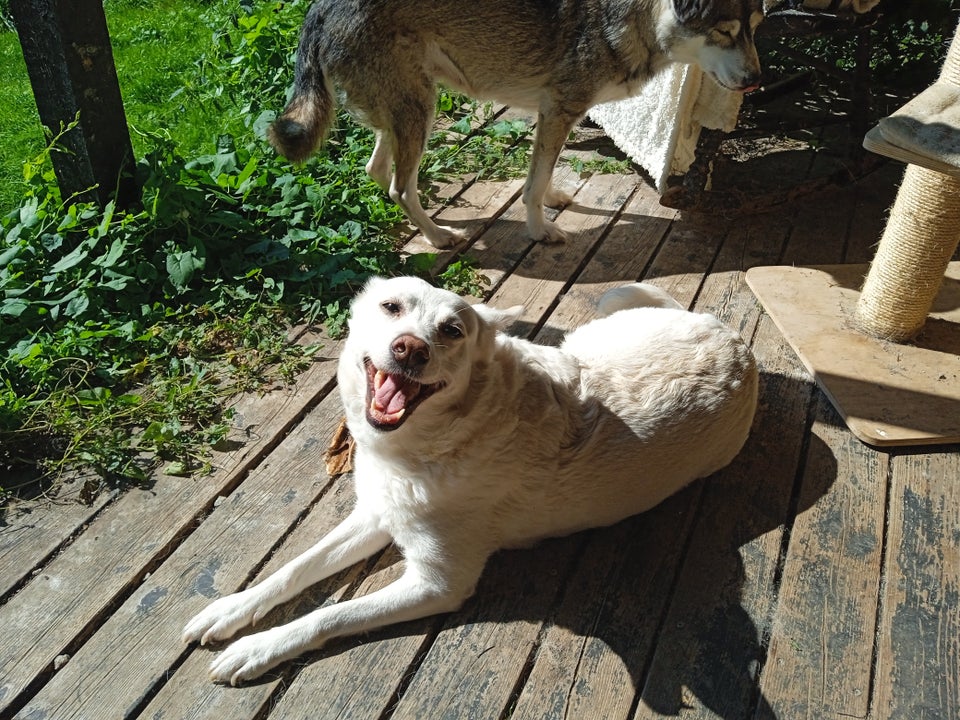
(497, 318)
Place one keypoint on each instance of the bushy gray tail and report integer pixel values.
(304, 123)
(634, 296)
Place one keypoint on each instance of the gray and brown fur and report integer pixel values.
(556, 57)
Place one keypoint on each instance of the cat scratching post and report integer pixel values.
(889, 391)
(921, 234)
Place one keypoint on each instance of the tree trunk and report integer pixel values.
(70, 62)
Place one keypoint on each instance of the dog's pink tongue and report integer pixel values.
(391, 395)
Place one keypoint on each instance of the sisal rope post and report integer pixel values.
(920, 238)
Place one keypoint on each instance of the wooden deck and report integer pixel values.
(816, 577)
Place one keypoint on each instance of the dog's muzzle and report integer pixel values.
(392, 397)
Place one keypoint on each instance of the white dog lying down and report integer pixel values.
(469, 440)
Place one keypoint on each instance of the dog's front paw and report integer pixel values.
(248, 658)
(222, 618)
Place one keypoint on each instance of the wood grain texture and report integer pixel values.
(821, 649)
(33, 531)
(918, 663)
(771, 589)
(114, 672)
(188, 693)
(591, 659)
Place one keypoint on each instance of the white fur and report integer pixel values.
(521, 443)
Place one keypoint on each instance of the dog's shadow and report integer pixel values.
(665, 595)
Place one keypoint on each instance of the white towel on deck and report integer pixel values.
(659, 128)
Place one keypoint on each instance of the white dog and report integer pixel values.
(469, 440)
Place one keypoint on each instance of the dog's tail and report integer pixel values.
(635, 296)
(304, 123)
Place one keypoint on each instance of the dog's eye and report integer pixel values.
(451, 331)
(728, 28)
(390, 307)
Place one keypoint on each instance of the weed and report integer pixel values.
(598, 166)
(123, 333)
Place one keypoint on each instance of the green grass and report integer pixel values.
(122, 333)
(20, 133)
(157, 48)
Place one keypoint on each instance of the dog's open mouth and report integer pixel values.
(392, 397)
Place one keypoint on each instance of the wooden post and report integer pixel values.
(70, 63)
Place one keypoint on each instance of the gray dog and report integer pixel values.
(558, 57)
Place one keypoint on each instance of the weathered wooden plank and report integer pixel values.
(590, 660)
(474, 663)
(725, 292)
(918, 663)
(821, 228)
(189, 693)
(358, 677)
(475, 209)
(34, 530)
(684, 258)
(504, 244)
(820, 658)
(709, 654)
(543, 273)
(874, 196)
(56, 612)
(620, 259)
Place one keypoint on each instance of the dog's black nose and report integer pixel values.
(750, 83)
(410, 351)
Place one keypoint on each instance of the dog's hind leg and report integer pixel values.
(380, 162)
(354, 539)
(552, 131)
(409, 141)
(422, 590)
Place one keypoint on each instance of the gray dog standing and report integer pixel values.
(556, 57)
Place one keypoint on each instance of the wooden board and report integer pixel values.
(113, 673)
(888, 393)
(591, 658)
(819, 662)
(621, 258)
(189, 693)
(918, 659)
(358, 677)
(55, 612)
(544, 272)
(33, 531)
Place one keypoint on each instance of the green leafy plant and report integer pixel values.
(907, 44)
(600, 165)
(123, 332)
